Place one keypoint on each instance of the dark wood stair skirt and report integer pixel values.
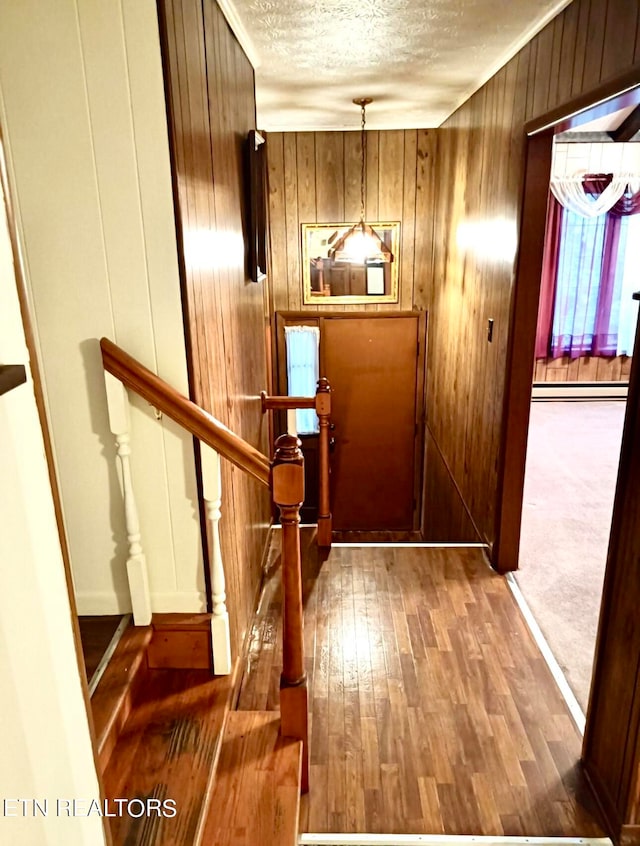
(98, 636)
(189, 769)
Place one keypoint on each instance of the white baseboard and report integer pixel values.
(404, 545)
(579, 390)
(567, 694)
(96, 603)
(444, 840)
(181, 602)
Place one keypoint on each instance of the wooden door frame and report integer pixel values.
(316, 318)
(616, 94)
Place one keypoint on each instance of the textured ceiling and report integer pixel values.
(417, 59)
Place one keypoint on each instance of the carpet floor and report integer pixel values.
(572, 464)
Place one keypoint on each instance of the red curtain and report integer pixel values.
(549, 274)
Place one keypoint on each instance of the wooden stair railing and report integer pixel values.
(284, 477)
(321, 402)
(187, 414)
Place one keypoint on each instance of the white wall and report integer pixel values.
(83, 114)
(46, 748)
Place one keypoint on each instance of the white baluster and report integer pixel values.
(117, 403)
(212, 491)
(292, 422)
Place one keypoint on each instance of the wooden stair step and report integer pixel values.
(256, 793)
(167, 750)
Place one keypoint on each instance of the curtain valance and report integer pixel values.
(570, 192)
(629, 202)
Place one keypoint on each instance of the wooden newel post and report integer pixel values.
(323, 410)
(288, 494)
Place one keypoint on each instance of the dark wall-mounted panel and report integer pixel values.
(11, 375)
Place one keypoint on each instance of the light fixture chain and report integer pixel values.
(363, 144)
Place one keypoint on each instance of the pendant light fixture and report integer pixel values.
(361, 244)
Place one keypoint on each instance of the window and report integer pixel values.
(589, 274)
(302, 345)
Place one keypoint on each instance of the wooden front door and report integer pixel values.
(375, 368)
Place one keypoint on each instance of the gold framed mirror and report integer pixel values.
(327, 281)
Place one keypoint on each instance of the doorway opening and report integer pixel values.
(560, 537)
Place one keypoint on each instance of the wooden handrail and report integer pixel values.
(179, 408)
(277, 403)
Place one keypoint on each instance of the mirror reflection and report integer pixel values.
(328, 275)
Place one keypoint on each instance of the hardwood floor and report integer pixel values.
(257, 789)
(167, 751)
(432, 710)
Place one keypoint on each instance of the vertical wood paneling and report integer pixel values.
(408, 218)
(390, 175)
(211, 109)
(480, 176)
(284, 291)
(306, 171)
(620, 38)
(352, 167)
(277, 202)
(556, 57)
(531, 76)
(424, 215)
(589, 369)
(542, 79)
(594, 45)
(581, 46)
(372, 175)
(567, 53)
(330, 187)
(319, 181)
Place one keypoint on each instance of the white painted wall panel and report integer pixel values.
(46, 747)
(84, 116)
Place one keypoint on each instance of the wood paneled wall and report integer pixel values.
(211, 101)
(586, 369)
(445, 515)
(481, 170)
(480, 173)
(314, 177)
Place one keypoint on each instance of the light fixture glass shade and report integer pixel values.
(361, 245)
